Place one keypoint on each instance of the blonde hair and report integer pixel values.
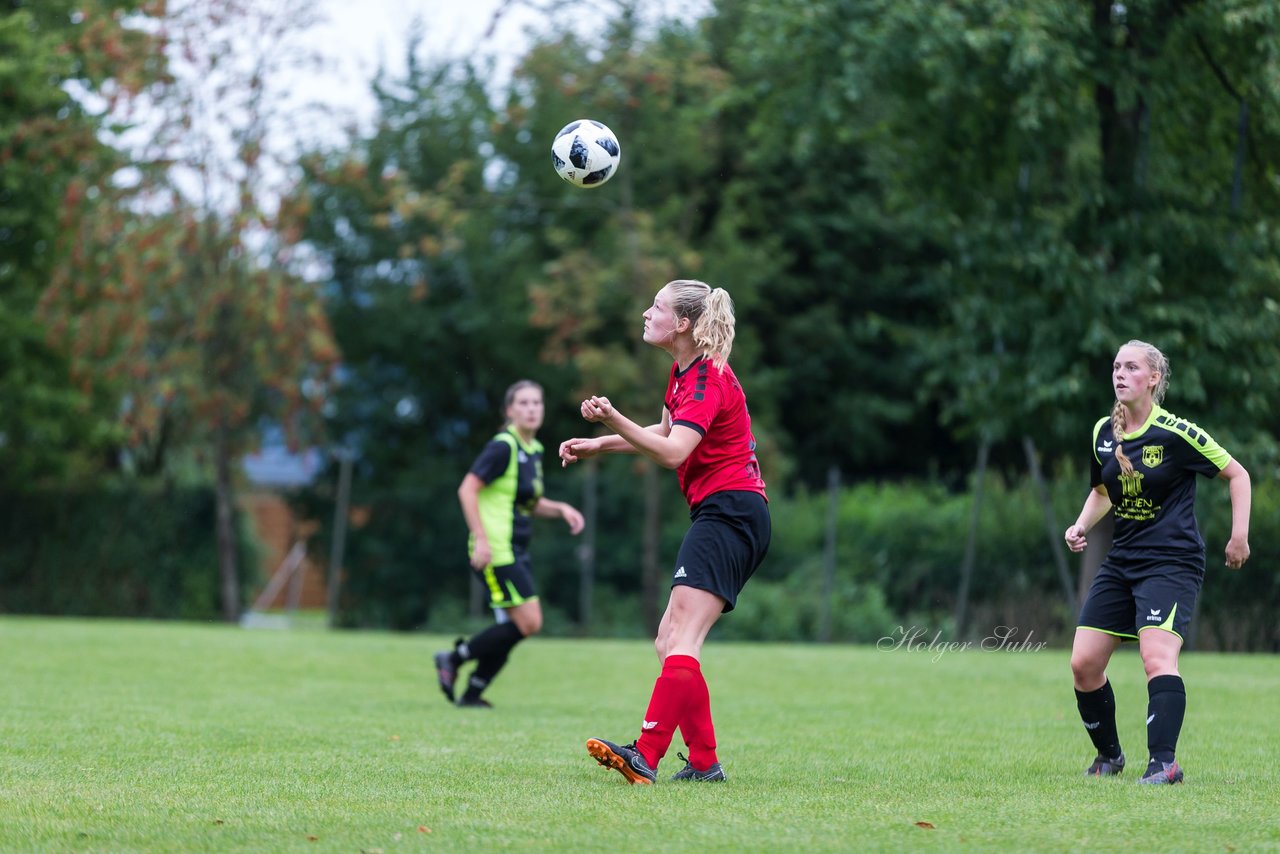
(1159, 364)
(710, 310)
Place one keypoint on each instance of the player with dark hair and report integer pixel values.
(500, 495)
(705, 435)
(1144, 466)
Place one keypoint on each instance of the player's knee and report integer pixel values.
(1087, 669)
(527, 619)
(1159, 664)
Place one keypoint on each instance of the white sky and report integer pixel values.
(362, 35)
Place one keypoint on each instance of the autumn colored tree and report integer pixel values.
(62, 62)
(182, 291)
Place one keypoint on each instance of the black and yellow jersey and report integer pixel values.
(512, 473)
(1155, 506)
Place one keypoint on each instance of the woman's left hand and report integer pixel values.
(597, 409)
(1237, 552)
(572, 518)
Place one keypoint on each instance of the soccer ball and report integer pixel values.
(585, 153)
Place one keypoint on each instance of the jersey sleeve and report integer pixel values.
(492, 462)
(700, 408)
(1095, 460)
(1200, 453)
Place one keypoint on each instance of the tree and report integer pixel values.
(1044, 161)
(183, 290)
(60, 58)
(841, 294)
(425, 289)
(1074, 215)
(1020, 190)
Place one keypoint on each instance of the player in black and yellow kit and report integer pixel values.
(500, 495)
(1144, 467)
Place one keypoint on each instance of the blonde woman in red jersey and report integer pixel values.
(705, 435)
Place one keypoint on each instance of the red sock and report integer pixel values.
(696, 726)
(668, 706)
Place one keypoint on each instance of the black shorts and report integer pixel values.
(1128, 596)
(509, 585)
(728, 539)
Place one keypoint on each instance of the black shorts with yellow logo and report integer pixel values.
(509, 585)
(1128, 596)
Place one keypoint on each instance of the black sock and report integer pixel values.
(1166, 706)
(486, 669)
(496, 637)
(490, 648)
(1098, 711)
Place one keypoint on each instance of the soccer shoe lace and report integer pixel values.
(714, 774)
(1104, 766)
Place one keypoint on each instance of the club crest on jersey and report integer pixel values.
(1152, 455)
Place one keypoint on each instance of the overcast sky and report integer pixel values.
(361, 35)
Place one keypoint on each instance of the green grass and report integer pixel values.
(130, 736)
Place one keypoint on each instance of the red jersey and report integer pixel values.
(713, 403)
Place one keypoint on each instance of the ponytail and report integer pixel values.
(1117, 431)
(710, 310)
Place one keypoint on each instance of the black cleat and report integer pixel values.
(447, 670)
(1162, 773)
(1106, 767)
(465, 702)
(714, 774)
(624, 759)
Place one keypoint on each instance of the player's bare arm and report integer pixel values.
(1240, 489)
(668, 451)
(468, 497)
(548, 509)
(1097, 505)
(573, 450)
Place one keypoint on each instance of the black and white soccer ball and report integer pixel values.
(585, 153)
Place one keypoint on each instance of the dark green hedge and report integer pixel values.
(899, 551)
(128, 551)
(136, 552)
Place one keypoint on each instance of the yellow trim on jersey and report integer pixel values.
(1097, 431)
(1192, 433)
(1151, 417)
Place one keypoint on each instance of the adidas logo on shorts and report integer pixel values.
(680, 573)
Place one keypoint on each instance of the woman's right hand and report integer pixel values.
(1075, 538)
(572, 450)
(481, 555)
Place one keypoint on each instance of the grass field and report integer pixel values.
(131, 736)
